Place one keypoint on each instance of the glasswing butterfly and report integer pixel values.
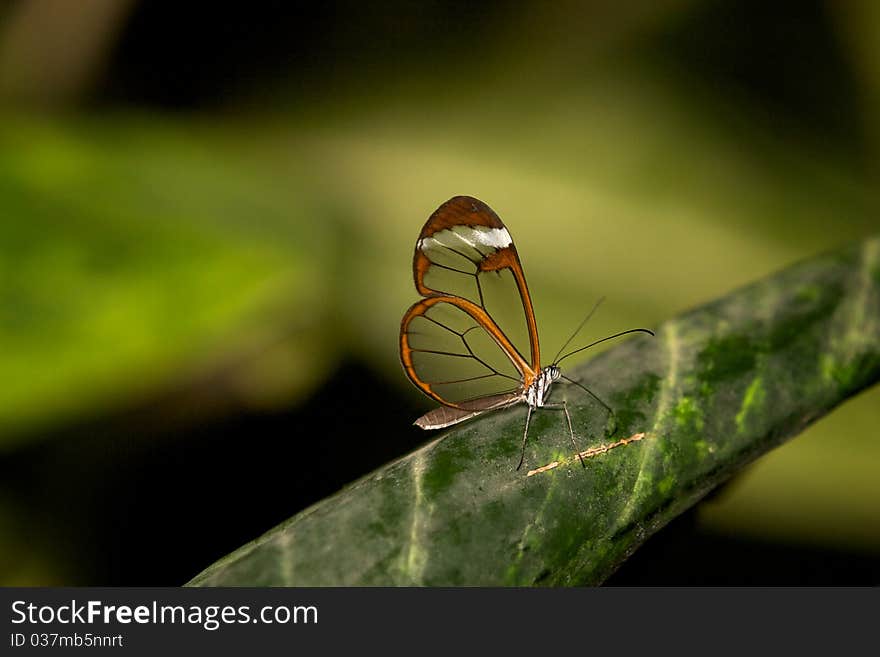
(452, 345)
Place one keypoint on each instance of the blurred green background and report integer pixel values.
(206, 227)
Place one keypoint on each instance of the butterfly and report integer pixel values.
(452, 347)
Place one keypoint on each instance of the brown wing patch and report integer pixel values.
(461, 240)
(461, 210)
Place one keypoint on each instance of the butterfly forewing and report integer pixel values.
(464, 249)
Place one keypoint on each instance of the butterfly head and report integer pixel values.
(536, 394)
(549, 374)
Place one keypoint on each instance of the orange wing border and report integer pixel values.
(468, 211)
(482, 318)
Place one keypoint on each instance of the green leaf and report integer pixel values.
(716, 388)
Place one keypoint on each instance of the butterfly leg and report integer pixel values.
(522, 454)
(564, 408)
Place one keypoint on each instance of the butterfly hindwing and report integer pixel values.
(444, 416)
(450, 349)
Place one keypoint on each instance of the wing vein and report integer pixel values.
(442, 325)
(457, 252)
(481, 361)
(472, 378)
(458, 271)
(443, 353)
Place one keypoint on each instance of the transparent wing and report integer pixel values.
(465, 251)
(453, 352)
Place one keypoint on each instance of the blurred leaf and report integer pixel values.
(34, 69)
(719, 386)
(135, 256)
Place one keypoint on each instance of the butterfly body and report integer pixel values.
(536, 394)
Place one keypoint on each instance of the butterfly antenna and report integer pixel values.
(578, 329)
(612, 416)
(591, 393)
(610, 337)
